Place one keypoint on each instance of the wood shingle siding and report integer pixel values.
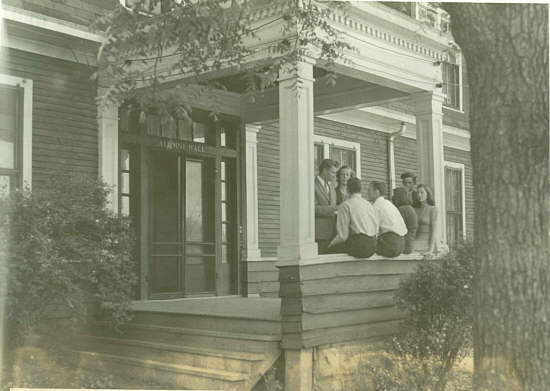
(340, 298)
(65, 127)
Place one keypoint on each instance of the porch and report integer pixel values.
(327, 306)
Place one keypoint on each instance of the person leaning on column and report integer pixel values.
(325, 203)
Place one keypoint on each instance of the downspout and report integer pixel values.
(391, 157)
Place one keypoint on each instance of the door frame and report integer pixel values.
(142, 144)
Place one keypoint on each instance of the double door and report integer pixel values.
(193, 225)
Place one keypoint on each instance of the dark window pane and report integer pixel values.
(204, 133)
(8, 126)
(164, 187)
(318, 156)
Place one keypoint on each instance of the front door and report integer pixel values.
(192, 219)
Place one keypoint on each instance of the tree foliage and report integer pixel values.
(437, 329)
(154, 42)
(64, 253)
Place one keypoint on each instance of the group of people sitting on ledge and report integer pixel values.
(347, 223)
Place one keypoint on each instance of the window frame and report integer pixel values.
(461, 167)
(458, 62)
(23, 153)
(326, 142)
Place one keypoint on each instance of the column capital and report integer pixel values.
(300, 69)
(430, 102)
(253, 128)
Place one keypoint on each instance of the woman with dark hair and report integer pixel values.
(344, 173)
(401, 200)
(426, 234)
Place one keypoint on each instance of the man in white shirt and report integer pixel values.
(392, 228)
(356, 224)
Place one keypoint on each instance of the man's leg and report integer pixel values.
(390, 245)
(361, 246)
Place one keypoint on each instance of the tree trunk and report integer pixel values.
(506, 50)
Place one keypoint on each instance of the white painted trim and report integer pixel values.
(108, 152)
(328, 141)
(26, 143)
(49, 23)
(453, 137)
(460, 166)
(251, 154)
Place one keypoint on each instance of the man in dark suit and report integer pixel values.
(325, 204)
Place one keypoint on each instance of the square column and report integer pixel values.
(297, 197)
(429, 149)
(108, 150)
(252, 246)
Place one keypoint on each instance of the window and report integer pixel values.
(125, 194)
(455, 203)
(15, 133)
(345, 152)
(451, 74)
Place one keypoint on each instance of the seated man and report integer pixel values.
(391, 241)
(356, 224)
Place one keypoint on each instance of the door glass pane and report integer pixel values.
(165, 197)
(200, 274)
(8, 127)
(193, 201)
(200, 259)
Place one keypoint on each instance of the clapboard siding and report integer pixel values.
(341, 298)
(405, 157)
(65, 130)
(459, 156)
(373, 167)
(75, 11)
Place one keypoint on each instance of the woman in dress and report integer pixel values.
(344, 173)
(401, 200)
(426, 234)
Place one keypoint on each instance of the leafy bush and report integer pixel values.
(437, 329)
(64, 251)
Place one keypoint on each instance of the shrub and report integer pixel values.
(437, 329)
(63, 250)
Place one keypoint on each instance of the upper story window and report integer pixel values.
(426, 13)
(452, 80)
(15, 133)
(150, 7)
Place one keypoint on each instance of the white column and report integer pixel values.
(429, 147)
(108, 151)
(252, 242)
(297, 219)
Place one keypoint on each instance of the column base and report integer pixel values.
(297, 252)
(299, 370)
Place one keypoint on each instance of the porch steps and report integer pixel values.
(182, 350)
(164, 373)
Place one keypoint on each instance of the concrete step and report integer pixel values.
(172, 376)
(192, 337)
(242, 362)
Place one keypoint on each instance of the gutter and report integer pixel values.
(391, 157)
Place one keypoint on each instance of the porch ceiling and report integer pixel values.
(348, 93)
